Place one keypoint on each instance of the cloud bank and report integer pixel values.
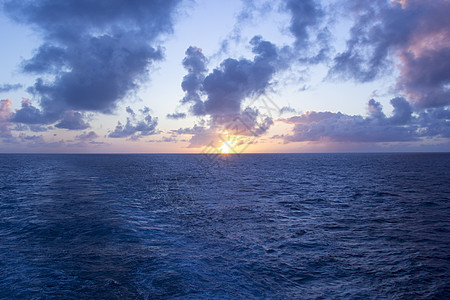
(402, 126)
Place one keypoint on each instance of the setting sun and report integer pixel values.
(226, 147)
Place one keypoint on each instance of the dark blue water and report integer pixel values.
(278, 226)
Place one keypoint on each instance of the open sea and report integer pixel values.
(250, 226)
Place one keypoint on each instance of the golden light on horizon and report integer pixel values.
(227, 146)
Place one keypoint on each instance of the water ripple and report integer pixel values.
(255, 226)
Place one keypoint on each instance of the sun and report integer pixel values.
(226, 147)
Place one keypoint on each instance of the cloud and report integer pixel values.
(200, 135)
(176, 116)
(250, 122)
(402, 126)
(435, 123)
(307, 25)
(9, 87)
(32, 127)
(194, 130)
(227, 86)
(88, 138)
(204, 137)
(72, 120)
(402, 111)
(29, 114)
(134, 127)
(412, 32)
(32, 139)
(250, 7)
(5, 115)
(34, 117)
(235, 80)
(287, 110)
(251, 11)
(165, 139)
(94, 53)
(375, 110)
(195, 63)
(221, 93)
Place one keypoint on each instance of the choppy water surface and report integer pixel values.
(275, 226)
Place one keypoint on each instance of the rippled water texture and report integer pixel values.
(250, 226)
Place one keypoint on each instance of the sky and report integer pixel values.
(211, 76)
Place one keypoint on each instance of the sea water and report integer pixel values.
(278, 226)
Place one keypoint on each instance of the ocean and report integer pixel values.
(249, 226)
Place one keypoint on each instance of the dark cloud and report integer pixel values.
(9, 87)
(426, 77)
(402, 111)
(402, 126)
(308, 25)
(73, 120)
(413, 31)
(136, 127)
(96, 52)
(375, 109)
(221, 93)
(176, 116)
(29, 114)
(435, 122)
(235, 80)
(367, 49)
(227, 86)
(338, 127)
(104, 72)
(192, 84)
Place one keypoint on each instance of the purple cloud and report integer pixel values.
(195, 63)
(94, 54)
(402, 126)
(221, 93)
(72, 120)
(311, 35)
(29, 114)
(415, 32)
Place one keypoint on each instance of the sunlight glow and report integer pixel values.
(226, 147)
